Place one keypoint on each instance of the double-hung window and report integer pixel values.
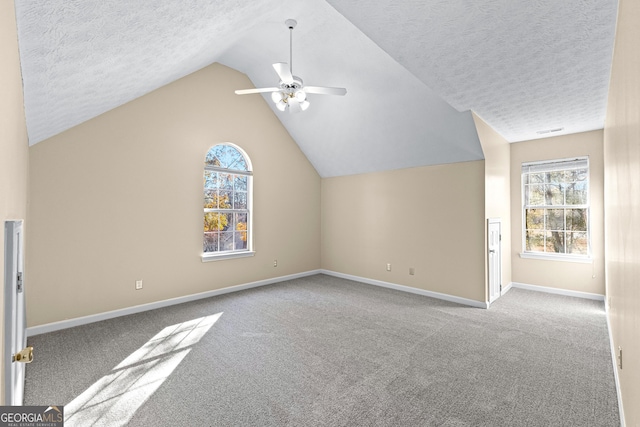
(227, 203)
(556, 209)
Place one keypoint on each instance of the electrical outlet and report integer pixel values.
(138, 285)
(388, 266)
(275, 262)
(412, 271)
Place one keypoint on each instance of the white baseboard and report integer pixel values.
(614, 358)
(506, 288)
(565, 292)
(70, 323)
(437, 295)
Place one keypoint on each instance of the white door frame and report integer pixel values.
(15, 334)
(494, 259)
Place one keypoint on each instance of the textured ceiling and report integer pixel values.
(413, 69)
(522, 65)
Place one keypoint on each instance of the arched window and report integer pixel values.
(227, 202)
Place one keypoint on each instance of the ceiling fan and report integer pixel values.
(291, 94)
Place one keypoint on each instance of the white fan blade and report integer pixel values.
(282, 68)
(256, 90)
(325, 90)
(294, 105)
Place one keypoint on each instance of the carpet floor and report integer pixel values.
(324, 351)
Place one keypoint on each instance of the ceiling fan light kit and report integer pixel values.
(291, 94)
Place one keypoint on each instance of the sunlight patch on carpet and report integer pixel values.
(115, 398)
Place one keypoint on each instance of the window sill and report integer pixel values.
(230, 255)
(557, 257)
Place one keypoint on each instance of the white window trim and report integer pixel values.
(550, 256)
(583, 259)
(212, 256)
(249, 252)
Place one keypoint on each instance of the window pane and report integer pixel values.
(535, 219)
(216, 221)
(239, 200)
(536, 195)
(240, 240)
(240, 183)
(210, 180)
(555, 241)
(212, 158)
(226, 241)
(554, 194)
(555, 219)
(229, 157)
(225, 199)
(556, 177)
(210, 242)
(241, 218)
(225, 156)
(209, 222)
(213, 200)
(215, 156)
(577, 193)
(536, 178)
(581, 174)
(237, 163)
(577, 219)
(535, 241)
(241, 231)
(210, 199)
(227, 221)
(577, 243)
(225, 181)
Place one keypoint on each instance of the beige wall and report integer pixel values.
(13, 143)
(622, 202)
(571, 276)
(119, 198)
(429, 218)
(497, 166)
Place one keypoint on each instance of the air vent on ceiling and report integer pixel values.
(542, 132)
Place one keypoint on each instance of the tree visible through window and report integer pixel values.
(556, 207)
(227, 200)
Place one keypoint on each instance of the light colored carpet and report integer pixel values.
(323, 351)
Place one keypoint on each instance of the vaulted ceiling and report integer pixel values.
(414, 69)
